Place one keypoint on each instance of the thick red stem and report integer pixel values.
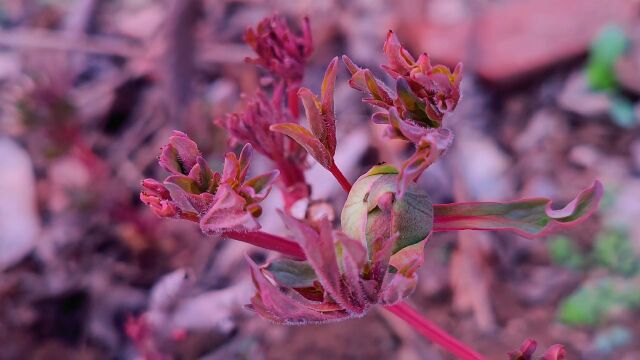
(268, 241)
(346, 185)
(432, 332)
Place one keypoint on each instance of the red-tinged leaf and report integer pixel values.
(530, 218)
(429, 149)
(157, 196)
(186, 183)
(227, 213)
(320, 252)
(180, 198)
(313, 110)
(306, 139)
(396, 288)
(292, 273)
(328, 86)
(207, 179)
(380, 117)
(357, 80)
(526, 351)
(377, 89)
(282, 308)
(261, 184)
(353, 259)
(377, 103)
(231, 168)
(355, 248)
(417, 109)
(244, 161)
(400, 61)
(188, 202)
(153, 187)
(179, 155)
(555, 352)
(353, 68)
(320, 112)
(410, 258)
(404, 130)
(380, 254)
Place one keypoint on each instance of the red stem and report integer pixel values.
(432, 332)
(292, 102)
(268, 241)
(291, 173)
(346, 185)
(292, 176)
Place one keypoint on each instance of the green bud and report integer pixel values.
(373, 210)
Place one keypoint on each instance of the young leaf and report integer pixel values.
(292, 273)
(320, 113)
(530, 218)
(306, 139)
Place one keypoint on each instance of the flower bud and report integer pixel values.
(373, 210)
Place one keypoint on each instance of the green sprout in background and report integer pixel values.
(609, 45)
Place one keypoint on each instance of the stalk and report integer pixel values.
(291, 176)
(268, 241)
(342, 180)
(432, 332)
(292, 101)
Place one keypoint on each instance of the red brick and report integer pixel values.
(508, 41)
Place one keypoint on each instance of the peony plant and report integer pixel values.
(371, 259)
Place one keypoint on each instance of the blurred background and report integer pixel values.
(91, 89)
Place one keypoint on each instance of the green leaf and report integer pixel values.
(587, 305)
(614, 250)
(261, 182)
(530, 218)
(292, 273)
(186, 183)
(414, 104)
(592, 303)
(563, 251)
(608, 46)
